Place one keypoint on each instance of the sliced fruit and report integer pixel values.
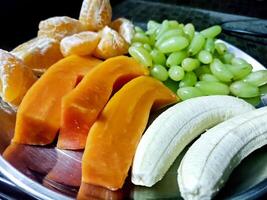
(175, 128)
(39, 53)
(209, 162)
(15, 78)
(113, 138)
(38, 117)
(82, 105)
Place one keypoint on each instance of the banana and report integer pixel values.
(175, 128)
(210, 160)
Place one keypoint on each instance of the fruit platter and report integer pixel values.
(101, 108)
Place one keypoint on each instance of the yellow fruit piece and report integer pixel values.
(111, 44)
(95, 14)
(82, 44)
(39, 53)
(125, 28)
(15, 78)
(59, 27)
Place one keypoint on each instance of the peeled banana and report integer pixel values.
(175, 128)
(210, 160)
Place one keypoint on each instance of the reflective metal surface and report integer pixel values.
(49, 173)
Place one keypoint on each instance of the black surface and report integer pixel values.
(9, 192)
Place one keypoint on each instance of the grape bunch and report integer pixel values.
(194, 63)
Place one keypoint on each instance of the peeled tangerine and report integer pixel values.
(39, 53)
(15, 78)
(82, 105)
(125, 28)
(95, 14)
(59, 27)
(111, 44)
(83, 43)
(112, 140)
(38, 117)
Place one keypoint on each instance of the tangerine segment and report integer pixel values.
(83, 43)
(95, 14)
(111, 44)
(125, 28)
(15, 78)
(59, 27)
(39, 53)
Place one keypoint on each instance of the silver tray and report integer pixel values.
(49, 173)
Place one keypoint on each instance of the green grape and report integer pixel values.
(152, 27)
(189, 30)
(168, 34)
(158, 57)
(205, 57)
(257, 78)
(190, 64)
(173, 24)
(159, 72)
(138, 29)
(181, 26)
(239, 71)
(172, 85)
(208, 77)
(189, 92)
(147, 47)
(239, 61)
(204, 69)
(253, 101)
(173, 44)
(213, 88)
(221, 48)
(210, 45)
(196, 45)
(211, 32)
(227, 58)
(263, 90)
(189, 79)
(219, 70)
(176, 58)
(244, 90)
(141, 37)
(176, 73)
(141, 55)
(166, 26)
(137, 44)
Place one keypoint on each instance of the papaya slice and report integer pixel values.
(38, 117)
(82, 105)
(113, 138)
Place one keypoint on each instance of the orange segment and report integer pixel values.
(83, 43)
(59, 27)
(125, 28)
(39, 53)
(15, 78)
(95, 14)
(111, 44)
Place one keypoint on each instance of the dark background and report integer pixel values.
(19, 19)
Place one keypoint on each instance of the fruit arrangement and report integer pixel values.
(75, 81)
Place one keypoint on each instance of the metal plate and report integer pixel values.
(50, 173)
